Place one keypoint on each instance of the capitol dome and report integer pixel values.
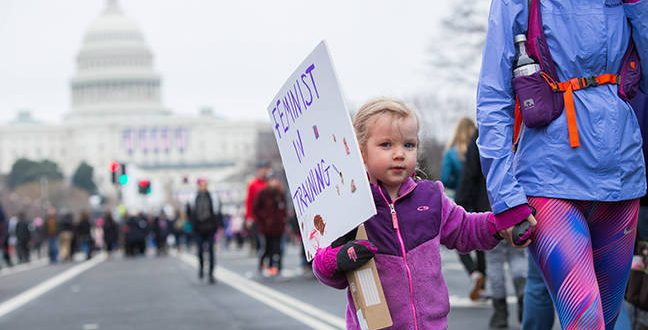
(115, 75)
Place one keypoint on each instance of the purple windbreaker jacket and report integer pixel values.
(407, 233)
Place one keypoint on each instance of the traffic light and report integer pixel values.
(123, 177)
(144, 187)
(118, 173)
(114, 168)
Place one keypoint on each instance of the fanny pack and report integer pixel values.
(541, 97)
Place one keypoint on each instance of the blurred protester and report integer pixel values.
(176, 228)
(472, 195)
(38, 235)
(52, 234)
(11, 233)
(452, 168)
(270, 211)
(187, 229)
(161, 231)
(4, 238)
(205, 218)
(237, 221)
(227, 230)
(110, 233)
(97, 233)
(23, 238)
(254, 186)
(455, 155)
(84, 236)
(150, 234)
(135, 232)
(66, 236)
(128, 230)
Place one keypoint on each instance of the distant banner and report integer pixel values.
(162, 139)
(328, 183)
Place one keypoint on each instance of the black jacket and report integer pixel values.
(471, 192)
(640, 105)
(23, 234)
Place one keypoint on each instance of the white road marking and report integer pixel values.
(35, 292)
(298, 310)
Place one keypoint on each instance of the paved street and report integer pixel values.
(164, 293)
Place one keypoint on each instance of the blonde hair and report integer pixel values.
(363, 118)
(463, 134)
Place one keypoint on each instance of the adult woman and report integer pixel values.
(585, 196)
(451, 172)
(455, 154)
(270, 211)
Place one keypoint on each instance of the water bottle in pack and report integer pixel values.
(524, 64)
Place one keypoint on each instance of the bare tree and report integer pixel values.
(33, 198)
(454, 62)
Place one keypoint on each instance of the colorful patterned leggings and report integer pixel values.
(584, 251)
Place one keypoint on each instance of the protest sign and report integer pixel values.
(327, 179)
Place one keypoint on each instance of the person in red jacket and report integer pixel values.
(254, 187)
(270, 212)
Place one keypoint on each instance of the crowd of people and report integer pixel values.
(64, 234)
(198, 225)
(60, 234)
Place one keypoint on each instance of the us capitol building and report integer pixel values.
(117, 114)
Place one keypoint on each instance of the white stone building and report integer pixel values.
(117, 114)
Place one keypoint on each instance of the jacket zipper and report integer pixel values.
(394, 218)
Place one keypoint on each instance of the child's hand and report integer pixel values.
(507, 233)
(354, 254)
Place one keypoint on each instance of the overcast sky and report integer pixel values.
(230, 55)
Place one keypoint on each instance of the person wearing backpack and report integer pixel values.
(205, 220)
(577, 158)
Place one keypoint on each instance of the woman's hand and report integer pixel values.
(507, 233)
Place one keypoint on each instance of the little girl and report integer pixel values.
(413, 218)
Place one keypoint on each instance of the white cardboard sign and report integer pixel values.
(327, 179)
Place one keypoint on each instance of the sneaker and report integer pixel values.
(200, 274)
(273, 271)
(212, 279)
(478, 283)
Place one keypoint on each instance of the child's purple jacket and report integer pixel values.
(408, 257)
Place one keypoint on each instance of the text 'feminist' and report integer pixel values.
(289, 107)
